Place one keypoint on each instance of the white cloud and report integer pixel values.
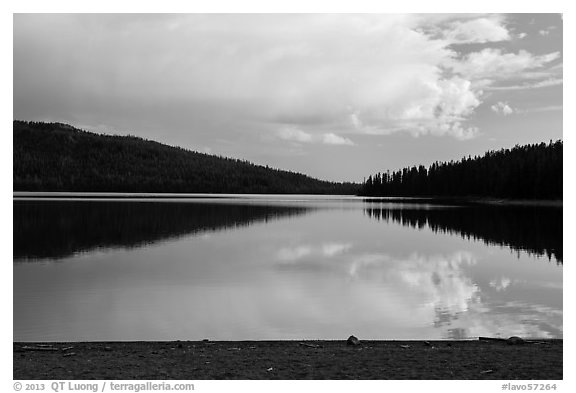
(333, 139)
(544, 32)
(535, 85)
(505, 109)
(542, 109)
(547, 83)
(428, 106)
(492, 64)
(303, 78)
(295, 135)
(311, 71)
(502, 108)
(479, 30)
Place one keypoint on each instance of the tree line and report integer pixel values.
(531, 171)
(59, 157)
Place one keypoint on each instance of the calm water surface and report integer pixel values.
(283, 268)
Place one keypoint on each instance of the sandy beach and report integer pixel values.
(202, 360)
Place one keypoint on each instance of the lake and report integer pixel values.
(282, 267)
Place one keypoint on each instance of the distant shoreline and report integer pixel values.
(459, 201)
(168, 195)
(294, 360)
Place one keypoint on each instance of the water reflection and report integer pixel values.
(58, 229)
(325, 273)
(298, 253)
(439, 296)
(531, 229)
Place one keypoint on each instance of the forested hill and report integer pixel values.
(59, 157)
(523, 172)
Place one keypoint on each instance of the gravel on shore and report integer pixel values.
(201, 360)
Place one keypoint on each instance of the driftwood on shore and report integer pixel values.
(512, 340)
(39, 348)
(309, 345)
(45, 347)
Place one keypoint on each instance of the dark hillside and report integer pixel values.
(523, 172)
(58, 157)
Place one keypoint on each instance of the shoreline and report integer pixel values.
(292, 360)
(457, 201)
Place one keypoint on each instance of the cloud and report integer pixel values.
(492, 64)
(535, 85)
(333, 139)
(296, 135)
(303, 78)
(542, 109)
(477, 31)
(431, 106)
(502, 108)
(546, 83)
(505, 109)
(262, 71)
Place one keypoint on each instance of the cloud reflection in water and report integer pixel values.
(437, 294)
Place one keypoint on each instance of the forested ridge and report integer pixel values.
(531, 171)
(59, 157)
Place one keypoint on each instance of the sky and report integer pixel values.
(335, 96)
